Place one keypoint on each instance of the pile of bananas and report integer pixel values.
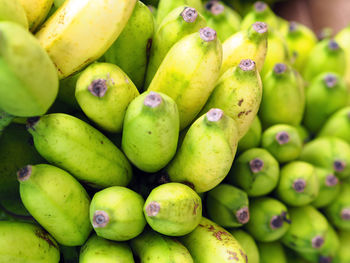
(177, 133)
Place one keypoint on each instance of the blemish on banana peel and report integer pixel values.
(45, 236)
(240, 102)
(153, 209)
(196, 205)
(233, 255)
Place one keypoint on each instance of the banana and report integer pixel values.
(343, 255)
(343, 38)
(66, 92)
(72, 44)
(58, 3)
(252, 138)
(304, 134)
(173, 209)
(179, 23)
(26, 243)
(80, 149)
(272, 252)
(283, 99)
(12, 10)
(328, 152)
(130, 50)
(111, 216)
(269, 219)
(283, 142)
(248, 43)
(28, 79)
(283, 26)
(36, 11)
(5, 120)
(208, 148)
(227, 206)
(104, 91)
(151, 131)
(152, 247)
(255, 171)
(238, 93)
(189, 71)
(248, 244)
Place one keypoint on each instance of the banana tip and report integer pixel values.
(282, 137)
(207, 34)
(276, 222)
(339, 166)
(331, 180)
(217, 8)
(189, 14)
(24, 173)
(260, 6)
(293, 26)
(247, 65)
(280, 68)
(299, 185)
(214, 115)
(256, 165)
(152, 209)
(260, 27)
(317, 242)
(323, 259)
(152, 100)
(31, 122)
(333, 45)
(98, 87)
(242, 215)
(100, 219)
(330, 80)
(345, 214)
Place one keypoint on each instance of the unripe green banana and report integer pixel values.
(151, 131)
(256, 171)
(326, 94)
(71, 44)
(151, 247)
(248, 244)
(100, 250)
(248, 43)
(272, 252)
(238, 93)
(12, 10)
(283, 99)
(300, 40)
(304, 134)
(298, 185)
(130, 50)
(326, 56)
(173, 209)
(343, 38)
(58, 3)
(66, 92)
(28, 92)
(329, 187)
(228, 206)
(328, 152)
(224, 20)
(283, 142)
(179, 23)
(80, 149)
(57, 201)
(208, 148)
(211, 243)
(338, 211)
(283, 27)
(103, 92)
(26, 243)
(189, 71)
(5, 120)
(307, 231)
(116, 213)
(36, 11)
(343, 255)
(338, 125)
(269, 219)
(253, 136)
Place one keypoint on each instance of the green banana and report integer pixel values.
(103, 92)
(248, 43)
(326, 94)
(57, 201)
(12, 10)
(71, 44)
(58, 3)
(28, 92)
(5, 120)
(252, 138)
(66, 92)
(100, 250)
(112, 217)
(151, 131)
(283, 27)
(129, 51)
(238, 93)
(173, 209)
(179, 23)
(26, 243)
(298, 185)
(36, 11)
(208, 148)
(80, 149)
(338, 211)
(211, 243)
(283, 142)
(189, 71)
(269, 219)
(304, 134)
(248, 244)
(283, 99)
(228, 206)
(255, 171)
(272, 252)
(151, 247)
(343, 255)
(343, 38)
(328, 152)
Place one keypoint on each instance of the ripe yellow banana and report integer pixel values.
(36, 11)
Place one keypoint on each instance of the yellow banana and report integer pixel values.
(12, 10)
(36, 11)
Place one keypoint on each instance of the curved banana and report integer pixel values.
(36, 11)
(343, 38)
(252, 138)
(5, 120)
(272, 252)
(12, 10)
(248, 243)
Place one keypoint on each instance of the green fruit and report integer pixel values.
(228, 206)
(28, 78)
(66, 92)
(304, 134)
(5, 120)
(283, 142)
(298, 185)
(343, 38)
(272, 252)
(256, 171)
(173, 209)
(104, 91)
(253, 136)
(248, 244)
(211, 243)
(269, 219)
(12, 10)
(343, 255)
(151, 131)
(208, 148)
(80, 149)
(100, 250)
